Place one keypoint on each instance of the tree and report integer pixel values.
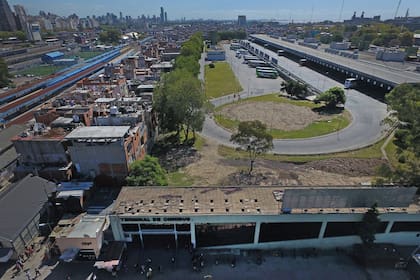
(332, 97)
(146, 172)
(111, 35)
(404, 105)
(179, 102)
(253, 137)
(188, 63)
(295, 88)
(369, 226)
(4, 73)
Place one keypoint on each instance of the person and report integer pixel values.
(28, 275)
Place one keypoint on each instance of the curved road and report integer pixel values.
(367, 113)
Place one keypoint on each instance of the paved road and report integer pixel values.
(393, 75)
(364, 130)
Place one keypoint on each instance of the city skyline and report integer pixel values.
(302, 10)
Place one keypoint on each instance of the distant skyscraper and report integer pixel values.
(242, 21)
(162, 15)
(22, 21)
(7, 20)
(166, 17)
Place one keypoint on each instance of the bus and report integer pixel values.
(350, 83)
(235, 46)
(267, 72)
(257, 63)
(247, 58)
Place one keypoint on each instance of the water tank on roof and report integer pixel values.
(113, 111)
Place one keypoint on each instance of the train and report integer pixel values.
(41, 91)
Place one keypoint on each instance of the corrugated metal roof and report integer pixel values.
(21, 202)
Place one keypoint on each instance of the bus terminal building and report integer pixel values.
(262, 217)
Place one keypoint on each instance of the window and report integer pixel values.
(224, 234)
(130, 227)
(348, 228)
(405, 226)
(270, 232)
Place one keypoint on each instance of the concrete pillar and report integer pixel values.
(176, 237)
(389, 226)
(117, 231)
(322, 230)
(192, 229)
(257, 232)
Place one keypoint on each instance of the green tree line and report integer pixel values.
(179, 97)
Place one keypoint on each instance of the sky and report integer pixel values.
(282, 10)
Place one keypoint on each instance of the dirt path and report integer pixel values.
(215, 170)
(209, 170)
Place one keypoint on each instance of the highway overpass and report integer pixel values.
(371, 73)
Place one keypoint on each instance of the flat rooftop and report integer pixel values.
(98, 132)
(181, 201)
(383, 72)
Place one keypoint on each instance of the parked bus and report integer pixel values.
(350, 83)
(267, 72)
(249, 57)
(257, 63)
(235, 46)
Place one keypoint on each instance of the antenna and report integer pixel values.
(341, 11)
(398, 7)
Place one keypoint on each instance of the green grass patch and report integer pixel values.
(88, 55)
(312, 130)
(41, 70)
(391, 152)
(373, 151)
(179, 179)
(220, 80)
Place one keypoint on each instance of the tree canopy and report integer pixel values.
(146, 172)
(404, 103)
(179, 97)
(332, 97)
(295, 88)
(369, 226)
(110, 35)
(253, 137)
(4, 73)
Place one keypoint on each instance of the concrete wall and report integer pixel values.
(99, 158)
(84, 243)
(41, 152)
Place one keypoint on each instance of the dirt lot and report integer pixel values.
(212, 170)
(281, 116)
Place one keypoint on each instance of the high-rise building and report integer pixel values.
(162, 15)
(242, 20)
(7, 19)
(22, 21)
(166, 17)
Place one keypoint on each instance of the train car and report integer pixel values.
(53, 86)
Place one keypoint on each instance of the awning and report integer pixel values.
(109, 265)
(69, 254)
(5, 254)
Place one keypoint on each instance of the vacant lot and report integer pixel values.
(284, 118)
(220, 80)
(41, 70)
(87, 55)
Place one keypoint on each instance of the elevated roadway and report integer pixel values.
(376, 74)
